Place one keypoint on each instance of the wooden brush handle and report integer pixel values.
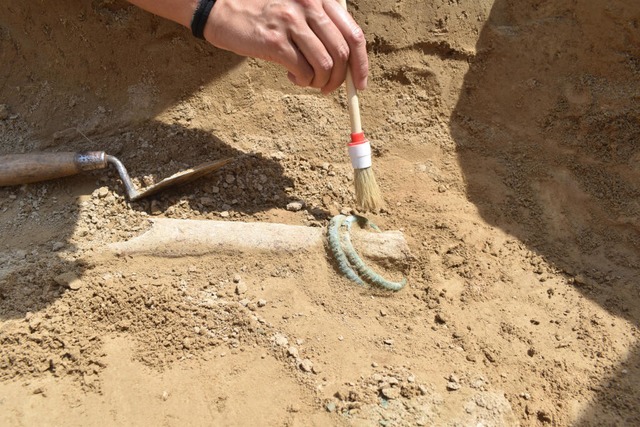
(18, 169)
(352, 96)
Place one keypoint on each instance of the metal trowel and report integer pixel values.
(16, 169)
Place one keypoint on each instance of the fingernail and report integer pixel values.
(362, 85)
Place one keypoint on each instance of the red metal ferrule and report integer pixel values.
(357, 138)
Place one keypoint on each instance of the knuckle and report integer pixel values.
(357, 36)
(288, 15)
(306, 3)
(273, 40)
(342, 53)
(325, 63)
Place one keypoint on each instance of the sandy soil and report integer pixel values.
(507, 147)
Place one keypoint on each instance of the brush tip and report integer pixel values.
(368, 194)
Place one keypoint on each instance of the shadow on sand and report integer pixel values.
(548, 135)
(107, 69)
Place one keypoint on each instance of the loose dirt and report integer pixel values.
(506, 145)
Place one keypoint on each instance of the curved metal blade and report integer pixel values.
(181, 178)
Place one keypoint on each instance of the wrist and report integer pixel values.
(209, 31)
(201, 17)
(189, 10)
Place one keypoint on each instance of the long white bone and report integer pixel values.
(169, 237)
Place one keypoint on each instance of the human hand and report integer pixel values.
(315, 40)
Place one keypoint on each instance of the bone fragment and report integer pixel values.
(169, 237)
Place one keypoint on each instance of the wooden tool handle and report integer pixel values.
(352, 96)
(18, 169)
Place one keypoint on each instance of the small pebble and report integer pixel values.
(489, 355)
(469, 407)
(390, 392)
(148, 180)
(69, 280)
(306, 365)
(241, 288)
(453, 386)
(103, 192)
(295, 206)
(281, 340)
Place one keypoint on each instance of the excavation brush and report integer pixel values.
(368, 195)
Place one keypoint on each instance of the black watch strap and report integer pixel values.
(200, 17)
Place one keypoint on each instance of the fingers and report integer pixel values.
(337, 50)
(289, 41)
(280, 49)
(354, 37)
(315, 52)
(334, 43)
(315, 40)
